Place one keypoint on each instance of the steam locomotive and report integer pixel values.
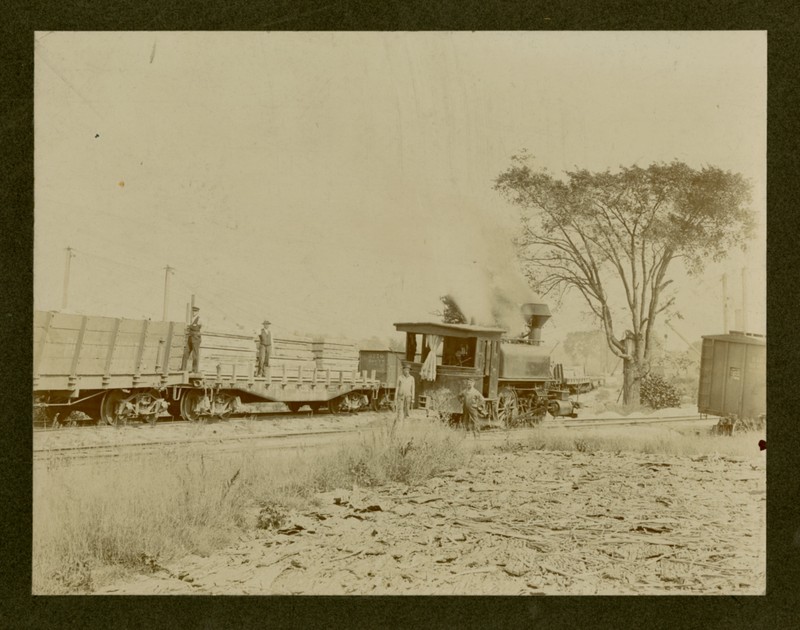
(515, 375)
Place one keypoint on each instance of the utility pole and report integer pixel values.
(744, 300)
(70, 256)
(167, 274)
(724, 303)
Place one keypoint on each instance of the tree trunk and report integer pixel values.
(631, 372)
(631, 381)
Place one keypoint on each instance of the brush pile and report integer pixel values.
(657, 393)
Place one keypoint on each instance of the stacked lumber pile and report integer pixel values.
(292, 353)
(335, 354)
(226, 350)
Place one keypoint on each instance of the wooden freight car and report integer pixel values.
(387, 366)
(733, 379)
(117, 370)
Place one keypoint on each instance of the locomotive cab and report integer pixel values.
(443, 356)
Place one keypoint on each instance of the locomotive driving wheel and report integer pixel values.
(507, 407)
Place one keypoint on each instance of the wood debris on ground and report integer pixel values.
(522, 522)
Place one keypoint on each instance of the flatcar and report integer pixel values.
(118, 370)
(515, 375)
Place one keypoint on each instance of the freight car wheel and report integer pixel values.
(507, 407)
(335, 405)
(294, 407)
(190, 402)
(110, 412)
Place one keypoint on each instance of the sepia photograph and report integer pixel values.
(399, 313)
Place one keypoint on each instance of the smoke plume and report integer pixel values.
(490, 287)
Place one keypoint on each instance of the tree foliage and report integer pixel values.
(612, 236)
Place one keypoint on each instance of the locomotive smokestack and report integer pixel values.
(535, 317)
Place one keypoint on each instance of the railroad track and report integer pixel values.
(225, 443)
(162, 422)
(294, 439)
(571, 423)
(637, 420)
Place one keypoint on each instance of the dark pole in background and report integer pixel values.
(167, 274)
(70, 255)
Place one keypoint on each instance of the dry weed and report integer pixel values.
(139, 512)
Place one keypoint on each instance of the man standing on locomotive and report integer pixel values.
(404, 393)
(473, 405)
(264, 345)
(193, 339)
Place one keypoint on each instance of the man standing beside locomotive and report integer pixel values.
(193, 340)
(473, 404)
(404, 393)
(264, 345)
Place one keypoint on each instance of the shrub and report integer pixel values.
(657, 393)
(442, 402)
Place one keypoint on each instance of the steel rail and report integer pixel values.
(99, 451)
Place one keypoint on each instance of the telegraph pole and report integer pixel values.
(744, 300)
(167, 274)
(724, 303)
(70, 256)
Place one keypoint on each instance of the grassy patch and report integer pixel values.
(641, 440)
(136, 513)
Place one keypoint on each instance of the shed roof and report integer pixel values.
(450, 330)
(740, 337)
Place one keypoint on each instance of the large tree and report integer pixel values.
(612, 236)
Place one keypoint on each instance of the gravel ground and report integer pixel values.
(514, 521)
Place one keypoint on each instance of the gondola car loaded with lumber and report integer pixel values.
(117, 370)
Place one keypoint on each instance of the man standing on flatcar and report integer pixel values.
(404, 393)
(264, 345)
(193, 339)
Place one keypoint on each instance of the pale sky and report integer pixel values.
(339, 182)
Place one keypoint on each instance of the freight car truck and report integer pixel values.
(116, 370)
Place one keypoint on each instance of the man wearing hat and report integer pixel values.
(193, 339)
(264, 344)
(404, 394)
(473, 405)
